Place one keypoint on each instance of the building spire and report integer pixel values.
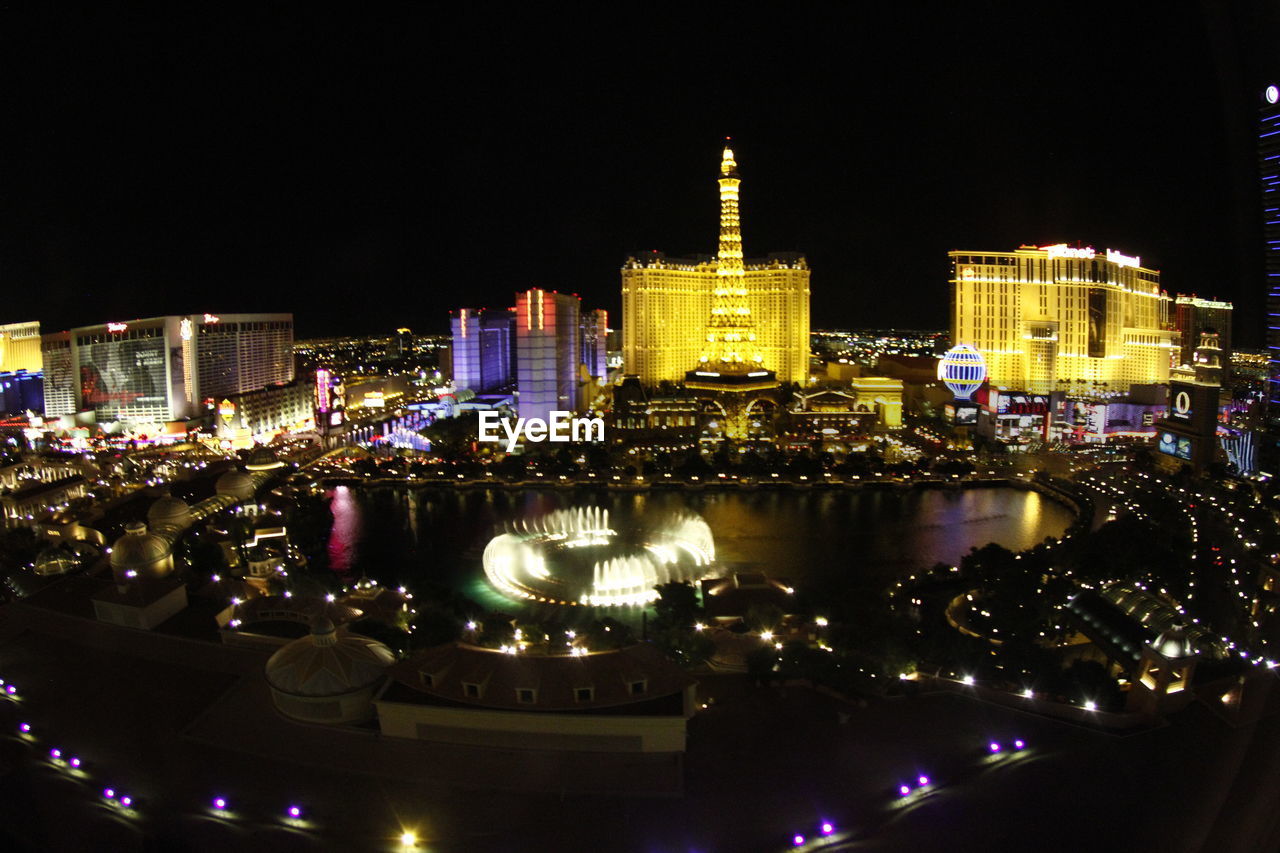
(730, 344)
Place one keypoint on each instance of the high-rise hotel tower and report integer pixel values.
(159, 369)
(1060, 318)
(1269, 173)
(666, 303)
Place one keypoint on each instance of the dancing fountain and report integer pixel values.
(574, 557)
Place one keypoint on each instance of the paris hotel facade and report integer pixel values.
(666, 303)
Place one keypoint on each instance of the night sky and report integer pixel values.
(377, 168)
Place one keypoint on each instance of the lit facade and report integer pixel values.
(20, 347)
(1269, 175)
(1056, 318)
(595, 343)
(666, 303)
(266, 412)
(160, 369)
(21, 392)
(1192, 317)
(1189, 433)
(547, 352)
(483, 349)
(61, 384)
(236, 353)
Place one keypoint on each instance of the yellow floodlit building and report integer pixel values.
(20, 347)
(1081, 321)
(666, 303)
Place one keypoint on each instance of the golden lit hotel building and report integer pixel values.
(1062, 318)
(20, 347)
(666, 303)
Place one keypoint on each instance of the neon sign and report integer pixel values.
(210, 318)
(1123, 260)
(184, 328)
(1062, 250)
(322, 390)
(117, 327)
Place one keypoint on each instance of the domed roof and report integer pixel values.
(56, 560)
(237, 484)
(262, 458)
(1173, 642)
(328, 662)
(138, 550)
(169, 511)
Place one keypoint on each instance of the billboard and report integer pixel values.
(330, 398)
(961, 413)
(124, 377)
(1174, 445)
(1097, 322)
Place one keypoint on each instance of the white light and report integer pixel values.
(968, 679)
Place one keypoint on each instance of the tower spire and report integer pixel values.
(730, 345)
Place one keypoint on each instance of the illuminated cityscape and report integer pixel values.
(483, 525)
(678, 313)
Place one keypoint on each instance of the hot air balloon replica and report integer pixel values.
(962, 370)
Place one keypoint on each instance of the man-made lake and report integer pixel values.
(823, 542)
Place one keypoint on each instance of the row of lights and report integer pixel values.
(294, 814)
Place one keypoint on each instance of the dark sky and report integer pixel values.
(377, 167)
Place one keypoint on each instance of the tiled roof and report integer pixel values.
(468, 675)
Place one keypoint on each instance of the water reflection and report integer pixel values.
(826, 540)
(344, 538)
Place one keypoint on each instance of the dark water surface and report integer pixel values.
(820, 540)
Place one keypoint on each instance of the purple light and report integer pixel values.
(923, 780)
(904, 790)
(55, 753)
(995, 747)
(827, 828)
(109, 793)
(1018, 744)
(24, 727)
(294, 811)
(126, 801)
(11, 690)
(798, 840)
(219, 803)
(75, 762)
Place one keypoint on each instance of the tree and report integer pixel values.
(760, 666)
(677, 606)
(607, 634)
(764, 617)
(434, 625)
(687, 647)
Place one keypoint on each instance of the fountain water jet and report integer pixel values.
(573, 557)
